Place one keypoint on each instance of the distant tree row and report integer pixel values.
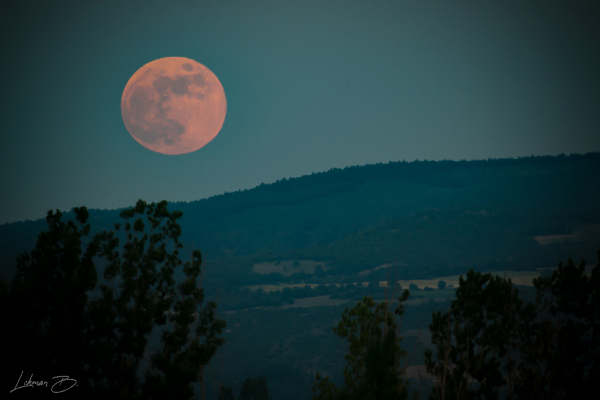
(242, 298)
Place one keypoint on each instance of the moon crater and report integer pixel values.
(173, 105)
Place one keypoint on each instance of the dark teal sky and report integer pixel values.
(310, 85)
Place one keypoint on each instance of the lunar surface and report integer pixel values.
(173, 105)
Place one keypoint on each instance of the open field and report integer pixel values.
(378, 268)
(588, 232)
(549, 239)
(288, 267)
(438, 296)
(524, 278)
(315, 302)
(280, 287)
(518, 277)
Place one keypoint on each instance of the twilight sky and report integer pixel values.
(310, 85)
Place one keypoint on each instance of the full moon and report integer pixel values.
(173, 105)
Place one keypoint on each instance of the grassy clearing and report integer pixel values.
(315, 302)
(585, 233)
(524, 278)
(368, 271)
(549, 239)
(518, 277)
(288, 267)
(280, 287)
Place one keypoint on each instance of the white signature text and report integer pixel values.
(65, 383)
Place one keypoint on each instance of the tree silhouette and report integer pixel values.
(102, 341)
(561, 347)
(226, 393)
(255, 389)
(373, 360)
(491, 339)
(473, 338)
(44, 306)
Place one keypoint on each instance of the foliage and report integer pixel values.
(473, 337)
(393, 285)
(107, 337)
(44, 306)
(373, 368)
(255, 389)
(226, 393)
(309, 213)
(287, 295)
(307, 217)
(319, 272)
(566, 335)
(491, 339)
(441, 285)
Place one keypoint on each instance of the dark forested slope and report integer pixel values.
(319, 209)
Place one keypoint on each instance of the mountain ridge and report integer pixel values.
(324, 207)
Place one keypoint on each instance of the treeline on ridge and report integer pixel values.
(319, 209)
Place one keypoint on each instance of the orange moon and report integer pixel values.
(173, 105)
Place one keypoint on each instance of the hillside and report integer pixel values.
(284, 260)
(315, 215)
